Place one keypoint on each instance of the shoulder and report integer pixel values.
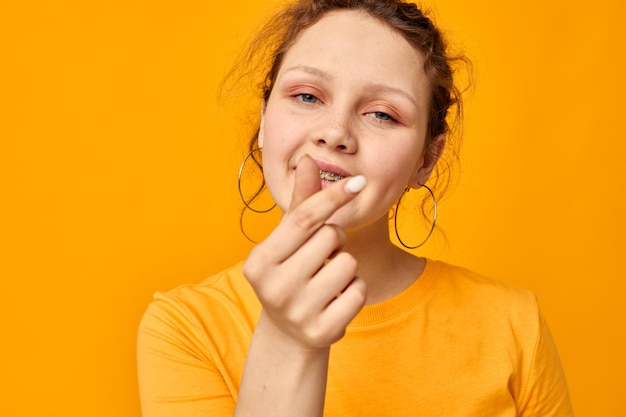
(226, 287)
(472, 288)
(219, 301)
(192, 342)
(486, 304)
(501, 318)
(503, 322)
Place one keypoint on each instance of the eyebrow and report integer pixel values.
(382, 88)
(310, 70)
(375, 88)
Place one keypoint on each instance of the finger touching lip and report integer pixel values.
(332, 169)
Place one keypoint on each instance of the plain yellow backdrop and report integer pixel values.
(118, 178)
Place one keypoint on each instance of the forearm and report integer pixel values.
(281, 378)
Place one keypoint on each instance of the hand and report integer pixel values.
(308, 288)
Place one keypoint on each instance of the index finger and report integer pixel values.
(306, 182)
(305, 218)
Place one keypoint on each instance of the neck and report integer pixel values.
(386, 269)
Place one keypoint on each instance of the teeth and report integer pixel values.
(330, 176)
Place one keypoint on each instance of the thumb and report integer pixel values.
(307, 181)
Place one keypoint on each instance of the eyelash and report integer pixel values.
(301, 97)
(389, 119)
(308, 98)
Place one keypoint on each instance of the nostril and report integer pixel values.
(333, 143)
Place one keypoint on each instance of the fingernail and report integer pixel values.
(356, 184)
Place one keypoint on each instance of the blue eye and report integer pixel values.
(382, 116)
(307, 98)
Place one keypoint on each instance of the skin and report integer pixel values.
(335, 106)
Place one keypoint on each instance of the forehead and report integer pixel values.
(359, 47)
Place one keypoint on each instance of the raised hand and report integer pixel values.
(309, 289)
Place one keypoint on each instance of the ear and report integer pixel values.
(428, 161)
(261, 125)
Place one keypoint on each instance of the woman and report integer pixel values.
(327, 316)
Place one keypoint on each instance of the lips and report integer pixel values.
(332, 173)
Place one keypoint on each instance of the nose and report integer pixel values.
(337, 133)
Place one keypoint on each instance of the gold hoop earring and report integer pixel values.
(246, 202)
(432, 227)
(243, 230)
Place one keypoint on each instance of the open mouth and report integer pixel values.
(330, 176)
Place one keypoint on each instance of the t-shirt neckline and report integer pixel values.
(400, 304)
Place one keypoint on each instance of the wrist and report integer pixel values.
(269, 334)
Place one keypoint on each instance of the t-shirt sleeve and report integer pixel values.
(545, 392)
(176, 374)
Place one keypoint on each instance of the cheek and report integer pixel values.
(273, 138)
(396, 166)
(278, 138)
(276, 172)
(387, 181)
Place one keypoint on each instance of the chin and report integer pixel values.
(349, 222)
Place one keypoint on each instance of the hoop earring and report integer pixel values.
(243, 230)
(432, 227)
(246, 203)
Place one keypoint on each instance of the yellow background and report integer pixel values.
(118, 178)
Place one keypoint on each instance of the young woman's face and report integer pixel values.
(352, 94)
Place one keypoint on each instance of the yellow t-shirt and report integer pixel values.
(452, 344)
